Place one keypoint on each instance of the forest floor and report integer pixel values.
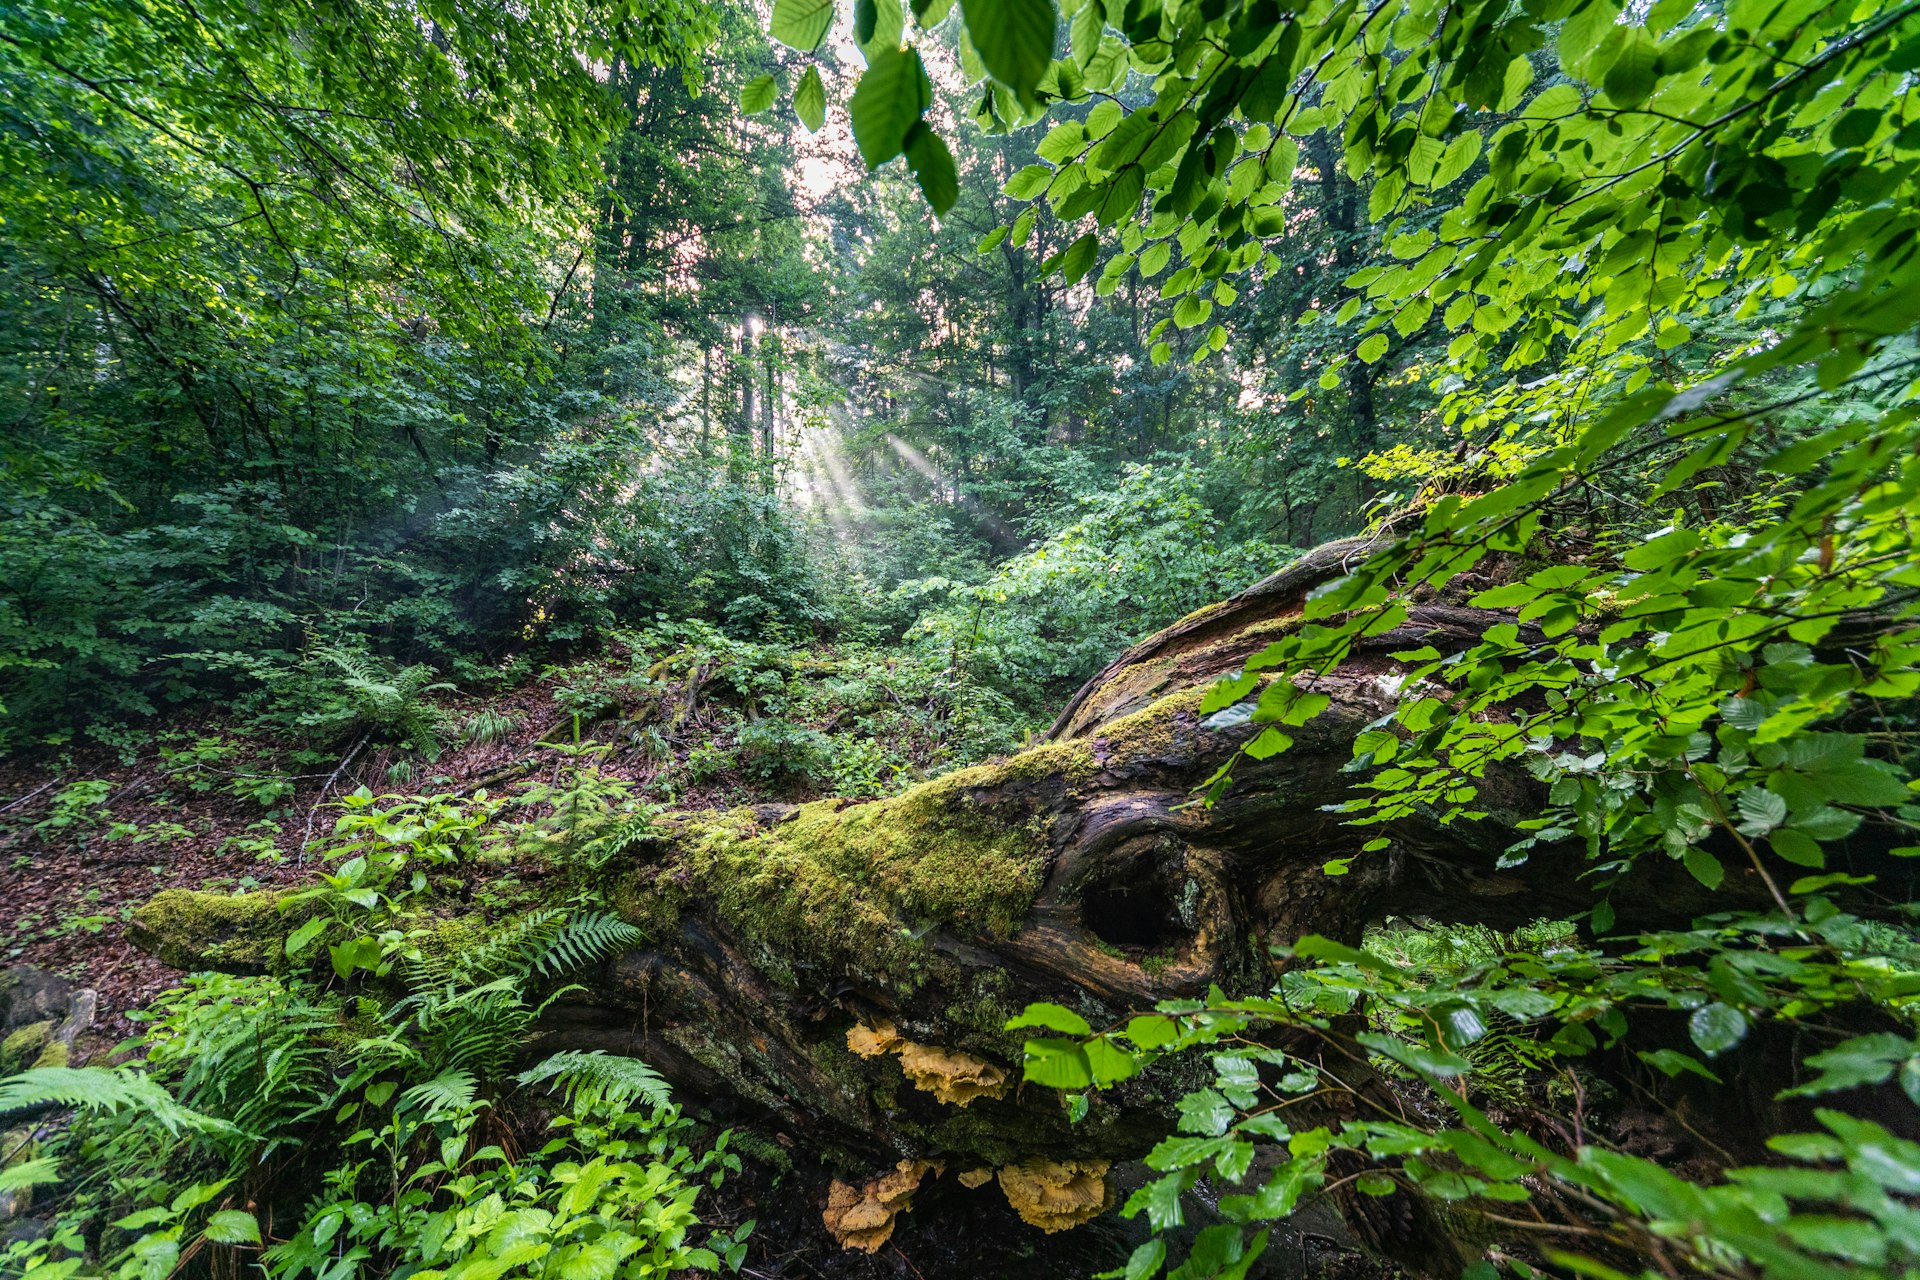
(186, 811)
(204, 806)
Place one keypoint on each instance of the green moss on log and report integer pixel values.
(854, 885)
(24, 1047)
(235, 933)
(1151, 733)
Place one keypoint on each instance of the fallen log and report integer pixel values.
(846, 969)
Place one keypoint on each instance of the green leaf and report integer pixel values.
(1184, 1153)
(1152, 1031)
(1863, 1060)
(1797, 847)
(1703, 866)
(1635, 68)
(802, 24)
(1315, 947)
(1672, 1062)
(1145, 1261)
(1206, 1112)
(1460, 155)
(933, 168)
(878, 24)
(354, 954)
(197, 1194)
(1191, 311)
(1716, 1028)
(596, 1261)
(1161, 1199)
(1050, 1017)
(1372, 347)
(887, 104)
(1014, 39)
(1029, 182)
(1760, 811)
(1089, 22)
(1857, 127)
(1109, 1062)
(1281, 1193)
(1422, 1058)
(300, 938)
(810, 100)
(1077, 260)
(1058, 1064)
(757, 94)
(1271, 742)
(233, 1226)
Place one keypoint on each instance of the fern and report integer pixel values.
(584, 940)
(29, 1173)
(445, 1096)
(249, 1049)
(471, 1009)
(620, 832)
(107, 1089)
(545, 943)
(511, 952)
(391, 704)
(588, 1078)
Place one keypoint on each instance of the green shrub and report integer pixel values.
(1132, 559)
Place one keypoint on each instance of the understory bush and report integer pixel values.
(329, 627)
(1132, 559)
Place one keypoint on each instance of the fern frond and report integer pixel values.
(547, 943)
(108, 1089)
(585, 940)
(588, 1078)
(621, 833)
(354, 666)
(29, 1173)
(446, 1095)
(512, 951)
(88, 1088)
(473, 1011)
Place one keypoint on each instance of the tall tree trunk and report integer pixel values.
(743, 429)
(769, 425)
(706, 396)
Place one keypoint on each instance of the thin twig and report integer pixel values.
(306, 837)
(15, 804)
